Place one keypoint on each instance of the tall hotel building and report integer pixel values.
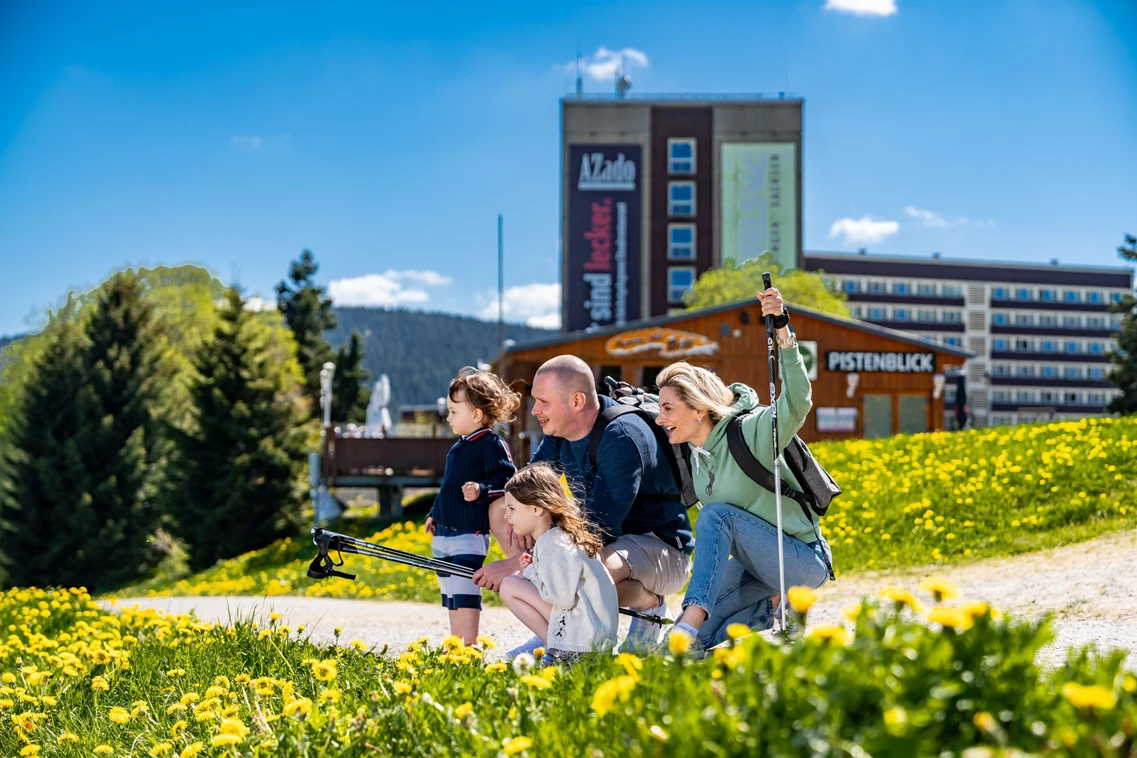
(656, 190)
(1040, 333)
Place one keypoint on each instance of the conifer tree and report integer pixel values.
(309, 315)
(350, 390)
(1123, 370)
(78, 489)
(237, 472)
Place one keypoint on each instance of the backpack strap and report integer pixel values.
(679, 468)
(754, 469)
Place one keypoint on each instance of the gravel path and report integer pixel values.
(1091, 588)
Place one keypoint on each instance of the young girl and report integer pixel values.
(567, 598)
(477, 468)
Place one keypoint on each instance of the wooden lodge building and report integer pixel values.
(868, 381)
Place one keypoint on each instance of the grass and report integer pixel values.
(908, 501)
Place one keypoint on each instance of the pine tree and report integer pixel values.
(237, 473)
(308, 314)
(350, 390)
(79, 485)
(1123, 372)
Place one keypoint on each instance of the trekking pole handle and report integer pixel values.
(766, 284)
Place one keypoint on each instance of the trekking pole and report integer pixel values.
(777, 459)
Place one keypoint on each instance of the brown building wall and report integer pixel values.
(743, 358)
(680, 123)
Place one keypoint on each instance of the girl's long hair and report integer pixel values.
(540, 485)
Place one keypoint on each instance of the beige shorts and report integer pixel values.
(659, 567)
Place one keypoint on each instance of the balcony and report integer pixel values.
(1037, 381)
(1045, 305)
(1056, 407)
(891, 297)
(1023, 355)
(919, 326)
(1052, 331)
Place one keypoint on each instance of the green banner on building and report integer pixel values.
(759, 201)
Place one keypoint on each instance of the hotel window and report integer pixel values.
(925, 315)
(999, 369)
(926, 288)
(1072, 322)
(1022, 396)
(1049, 372)
(1048, 396)
(1022, 346)
(1095, 297)
(952, 290)
(681, 242)
(1095, 349)
(1072, 398)
(1095, 322)
(1071, 347)
(1097, 372)
(1073, 372)
(851, 285)
(1093, 398)
(855, 312)
(681, 199)
(1024, 319)
(999, 293)
(1047, 320)
(901, 288)
(1048, 346)
(1001, 396)
(998, 318)
(955, 341)
(876, 286)
(875, 314)
(953, 317)
(681, 156)
(1022, 294)
(1071, 296)
(679, 280)
(1115, 297)
(1000, 344)
(1024, 370)
(900, 314)
(1047, 296)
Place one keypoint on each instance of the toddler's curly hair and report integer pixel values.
(487, 393)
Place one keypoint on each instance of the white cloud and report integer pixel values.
(255, 303)
(862, 7)
(863, 230)
(933, 220)
(250, 141)
(536, 304)
(603, 65)
(384, 290)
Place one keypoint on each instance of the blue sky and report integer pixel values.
(387, 137)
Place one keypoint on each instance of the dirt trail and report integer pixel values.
(1090, 588)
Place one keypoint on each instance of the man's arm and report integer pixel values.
(491, 575)
(619, 471)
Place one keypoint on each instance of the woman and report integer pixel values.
(735, 575)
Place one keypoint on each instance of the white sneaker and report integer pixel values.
(645, 636)
(528, 646)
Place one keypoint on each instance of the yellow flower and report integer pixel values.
(98, 684)
(303, 705)
(486, 641)
(985, 721)
(189, 697)
(325, 671)
(538, 652)
(939, 588)
(402, 688)
(30, 749)
(536, 682)
(902, 597)
(953, 617)
(834, 633)
(494, 668)
(8, 677)
(678, 642)
(630, 662)
(737, 631)
(274, 616)
(515, 745)
(176, 673)
(178, 726)
(225, 738)
(801, 598)
(464, 710)
(174, 708)
(606, 694)
(161, 748)
(234, 726)
(1092, 696)
(103, 750)
(68, 737)
(119, 715)
(193, 750)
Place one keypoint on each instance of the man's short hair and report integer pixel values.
(571, 375)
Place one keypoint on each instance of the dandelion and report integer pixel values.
(486, 642)
(901, 597)
(175, 673)
(178, 727)
(67, 737)
(631, 663)
(678, 642)
(536, 682)
(801, 598)
(161, 749)
(30, 749)
(1093, 696)
(523, 663)
(103, 750)
(402, 688)
(325, 671)
(225, 739)
(464, 710)
(953, 617)
(98, 684)
(234, 726)
(274, 617)
(119, 715)
(193, 750)
(515, 745)
(833, 633)
(300, 705)
(939, 588)
(737, 631)
(607, 693)
(538, 652)
(495, 668)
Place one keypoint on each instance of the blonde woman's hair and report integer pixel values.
(699, 388)
(487, 393)
(540, 485)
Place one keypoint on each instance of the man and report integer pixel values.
(631, 495)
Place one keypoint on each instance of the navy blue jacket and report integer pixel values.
(632, 489)
(481, 457)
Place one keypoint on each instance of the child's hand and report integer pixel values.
(429, 525)
(471, 491)
(525, 559)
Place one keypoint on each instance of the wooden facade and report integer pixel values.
(731, 340)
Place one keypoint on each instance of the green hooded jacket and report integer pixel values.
(718, 479)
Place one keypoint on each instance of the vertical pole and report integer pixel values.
(500, 293)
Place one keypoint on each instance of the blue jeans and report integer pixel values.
(736, 567)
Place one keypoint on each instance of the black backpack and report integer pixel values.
(820, 489)
(631, 399)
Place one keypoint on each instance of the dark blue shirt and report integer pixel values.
(632, 490)
(481, 457)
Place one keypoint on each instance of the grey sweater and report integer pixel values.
(586, 611)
